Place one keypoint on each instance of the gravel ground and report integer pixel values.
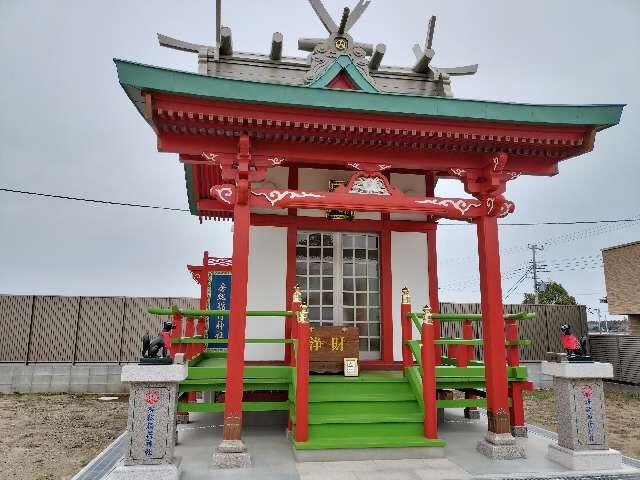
(51, 437)
(622, 410)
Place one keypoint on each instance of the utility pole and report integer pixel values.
(535, 266)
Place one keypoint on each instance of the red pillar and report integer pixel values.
(429, 378)
(302, 378)
(238, 307)
(432, 265)
(434, 299)
(292, 234)
(295, 308)
(493, 325)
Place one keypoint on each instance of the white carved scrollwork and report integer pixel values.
(274, 196)
(211, 157)
(224, 194)
(369, 186)
(461, 205)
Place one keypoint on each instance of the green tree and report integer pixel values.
(552, 294)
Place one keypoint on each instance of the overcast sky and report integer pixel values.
(66, 127)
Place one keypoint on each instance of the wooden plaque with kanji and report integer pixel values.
(329, 346)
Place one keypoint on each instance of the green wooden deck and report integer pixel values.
(375, 409)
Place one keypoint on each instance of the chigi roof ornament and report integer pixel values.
(337, 61)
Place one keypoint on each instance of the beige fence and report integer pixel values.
(543, 331)
(622, 351)
(77, 329)
(52, 329)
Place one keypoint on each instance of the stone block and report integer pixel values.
(6, 388)
(41, 388)
(500, 446)
(591, 460)
(41, 369)
(520, 431)
(580, 413)
(41, 379)
(97, 388)
(151, 423)
(98, 370)
(98, 379)
(153, 373)
(6, 374)
(471, 414)
(167, 471)
(22, 388)
(577, 370)
(78, 387)
(231, 454)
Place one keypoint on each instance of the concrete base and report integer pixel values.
(351, 454)
(165, 471)
(585, 459)
(231, 454)
(472, 414)
(500, 446)
(519, 432)
(182, 418)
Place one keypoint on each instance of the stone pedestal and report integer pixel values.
(580, 415)
(471, 414)
(152, 422)
(231, 454)
(501, 446)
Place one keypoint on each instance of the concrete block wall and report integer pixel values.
(61, 378)
(539, 379)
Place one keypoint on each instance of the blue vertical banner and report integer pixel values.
(219, 299)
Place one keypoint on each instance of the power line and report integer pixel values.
(92, 200)
(160, 207)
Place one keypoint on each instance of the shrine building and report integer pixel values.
(326, 164)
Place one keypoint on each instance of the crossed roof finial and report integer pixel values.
(349, 18)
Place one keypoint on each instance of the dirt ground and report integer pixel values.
(622, 410)
(51, 437)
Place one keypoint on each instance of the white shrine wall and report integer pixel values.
(408, 269)
(266, 290)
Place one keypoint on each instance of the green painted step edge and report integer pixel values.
(366, 418)
(356, 397)
(246, 407)
(368, 442)
(415, 382)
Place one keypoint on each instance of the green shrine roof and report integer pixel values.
(136, 78)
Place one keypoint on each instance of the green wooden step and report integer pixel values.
(348, 430)
(363, 412)
(373, 408)
(360, 392)
(369, 442)
(366, 418)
